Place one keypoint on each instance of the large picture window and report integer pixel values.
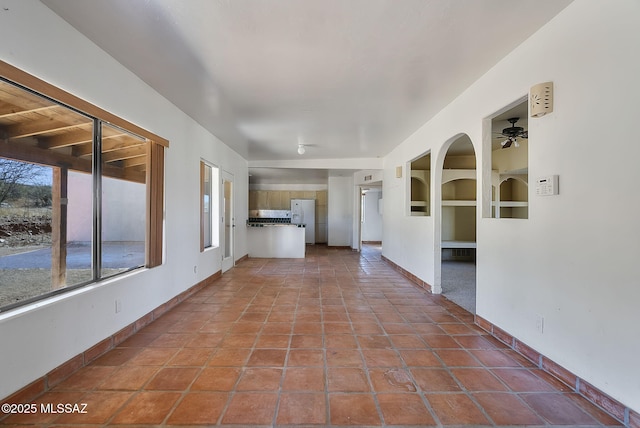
(81, 192)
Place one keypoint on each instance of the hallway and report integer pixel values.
(339, 338)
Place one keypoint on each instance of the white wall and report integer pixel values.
(340, 211)
(415, 250)
(37, 338)
(574, 261)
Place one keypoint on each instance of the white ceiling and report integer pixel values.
(350, 78)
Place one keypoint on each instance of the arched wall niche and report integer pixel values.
(456, 160)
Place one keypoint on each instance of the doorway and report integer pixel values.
(370, 215)
(458, 224)
(228, 221)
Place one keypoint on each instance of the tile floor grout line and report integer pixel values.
(242, 369)
(464, 389)
(142, 387)
(419, 390)
(188, 388)
(284, 367)
(366, 294)
(325, 369)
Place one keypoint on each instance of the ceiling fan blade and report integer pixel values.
(506, 143)
(525, 134)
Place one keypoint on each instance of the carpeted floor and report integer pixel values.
(459, 283)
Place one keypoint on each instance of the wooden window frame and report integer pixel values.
(155, 152)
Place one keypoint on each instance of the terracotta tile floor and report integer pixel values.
(339, 338)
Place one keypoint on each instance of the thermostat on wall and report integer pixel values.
(547, 186)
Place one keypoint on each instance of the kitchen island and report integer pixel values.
(276, 240)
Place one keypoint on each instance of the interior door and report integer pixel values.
(228, 221)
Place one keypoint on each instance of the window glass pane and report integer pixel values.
(210, 205)
(123, 228)
(43, 144)
(206, 206)
(228, 217)
(215, 207)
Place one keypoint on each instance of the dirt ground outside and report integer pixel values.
(17, 285)
(24, 231)
(21, 231)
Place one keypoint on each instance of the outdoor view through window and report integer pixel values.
(73, 197)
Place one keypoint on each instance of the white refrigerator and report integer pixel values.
(303, 211)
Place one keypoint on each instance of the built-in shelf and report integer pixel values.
(458, 203)
(511, 204)
(419, 208)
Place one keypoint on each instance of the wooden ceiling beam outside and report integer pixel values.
(122, 154)
(133, 162)
(67, 139)
(9, 110)
(108, 146)
(20, 99)
(74, 138)
(39, 130)
(34, 154)
(83, 150)
(39, 127)
(120, 144)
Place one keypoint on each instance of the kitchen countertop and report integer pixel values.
(273, 224)
(276, 240)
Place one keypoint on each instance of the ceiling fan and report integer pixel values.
(512, 134)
